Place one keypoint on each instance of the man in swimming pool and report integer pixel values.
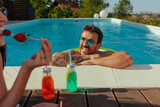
(89, 54)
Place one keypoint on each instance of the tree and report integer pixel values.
(42, 7)
(123, 8)
(62, 12)
(89, 7)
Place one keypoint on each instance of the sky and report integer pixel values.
(139, 5)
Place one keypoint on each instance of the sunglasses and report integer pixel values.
(89, 41)
(3, 10)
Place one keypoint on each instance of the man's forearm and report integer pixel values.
(61, 59)
(118, 60)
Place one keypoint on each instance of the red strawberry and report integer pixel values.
(20, 37)
(6, 32)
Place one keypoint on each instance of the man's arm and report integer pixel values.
(109, 59)
(62, 58)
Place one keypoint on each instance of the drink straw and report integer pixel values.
(70, 56)
(46, 67)
(70, 59)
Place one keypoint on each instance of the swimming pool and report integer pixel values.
(140, 41)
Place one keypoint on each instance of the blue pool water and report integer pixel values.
(142, 45)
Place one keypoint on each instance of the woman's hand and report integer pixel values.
(41, 58)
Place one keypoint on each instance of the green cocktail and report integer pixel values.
(71, 78)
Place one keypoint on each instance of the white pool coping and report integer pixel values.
(93, 76)
(149, 28)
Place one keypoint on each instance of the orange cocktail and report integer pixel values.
(48, 86)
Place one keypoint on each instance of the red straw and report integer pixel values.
(46, 67)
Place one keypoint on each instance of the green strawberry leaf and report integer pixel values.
(28, 34)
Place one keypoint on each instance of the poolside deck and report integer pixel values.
(98, 97)
(135, 76)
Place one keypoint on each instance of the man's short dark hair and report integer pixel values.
(92, 28)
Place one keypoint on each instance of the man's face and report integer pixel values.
(91, 46)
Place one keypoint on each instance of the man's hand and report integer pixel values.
(86, 62)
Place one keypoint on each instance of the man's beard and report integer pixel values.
(88, 50)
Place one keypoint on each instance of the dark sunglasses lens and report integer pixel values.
(90, 42)
(4, 12)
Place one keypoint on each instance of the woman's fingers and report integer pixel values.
(47, 50)
(46, 47)
(38, 59)
(42, 42)
(42, 57)
(48, 44)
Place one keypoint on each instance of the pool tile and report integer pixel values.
(87, 76)
(95, 76)
(139, 76)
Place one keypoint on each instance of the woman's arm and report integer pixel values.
(3, 87)
(14, 95)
